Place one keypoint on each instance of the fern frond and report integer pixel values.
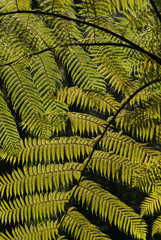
(141, 122)
(12, 48)
(60, 6)
(87, 98)
(28, 35)
(81, 122)
(83, 71)
(56, 150)
(156, 227)
(149, 96)
(147, 158)
(34, 207)
(151, 204)
(105, 205)
(78, 62)
(149, 177)
(45, 76)
(97, 9)
(132, 24)
(112, 166)
(129, 148)
(39, 178)
(9, 5)
(26, 99)
(111, 50)
(80, 228)
(118, 76)
(48, 230)
(57, 114)
(9, 136)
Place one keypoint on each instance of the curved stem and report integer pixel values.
(100, 138)
(71, 44)
(135, 46)
(155, 9)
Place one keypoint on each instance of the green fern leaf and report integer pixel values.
(57, 115)
(38, 178)
(105, 205)
(113, 167)
(129, 148)
(80, 228)
(156, 228)
(9, 136)
(56, 150)
(149, 177)
(110, 51)
(83, 74)
(88, 98)
(8, 5)
(48, 230)
(141, 122)
(45, 76)
(26, 99)
(118, 76)
(151, 204)
(81, 122)
(34, 207)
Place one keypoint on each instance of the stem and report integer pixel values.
(135, 46)
(155, 9)
(100, 138)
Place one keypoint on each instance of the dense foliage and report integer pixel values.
(80, 106)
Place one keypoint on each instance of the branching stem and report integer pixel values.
(132, 44)
(100, 138)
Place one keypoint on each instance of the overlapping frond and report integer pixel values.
(151, 204)
(129, 148)
(55, 150)
(58, 112)
(118, 76)
(61, 6)
(113, 166)
(149, 177)
(78, 62)
(147, 97)
(147, 159)
(156, 228)
(48, 230)
(139, 25)
(31, 30)
(95, 8)
(34, 207)
(9, 136)
(95, 100)
(142, 122)
(25, 98)
(39, 178)
(9, 5)
(81, 122)
(83, 71)
(45, 76)
(79, 227)
(12, 48)
(107, 206)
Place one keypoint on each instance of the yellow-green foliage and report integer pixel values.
(83, 80)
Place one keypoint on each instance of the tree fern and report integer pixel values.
(80, 113)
